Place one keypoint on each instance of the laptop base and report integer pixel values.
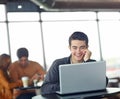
(86, 92)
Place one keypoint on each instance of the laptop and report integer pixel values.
(82, 77)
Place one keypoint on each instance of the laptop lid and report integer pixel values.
(82, 77)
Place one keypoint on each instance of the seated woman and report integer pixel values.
(6, 86)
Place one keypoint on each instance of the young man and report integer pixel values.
(78, 45)
(25, 67)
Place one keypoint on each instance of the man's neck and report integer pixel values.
(72, 61)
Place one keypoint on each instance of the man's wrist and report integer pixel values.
(87, 60)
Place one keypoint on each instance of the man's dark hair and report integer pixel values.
(22, 52)
(78, 36)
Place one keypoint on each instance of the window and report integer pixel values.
(109, 31)
(25, 32)
(51, 30)
(58, 29)
(3, 32)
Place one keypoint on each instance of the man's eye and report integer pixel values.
(82, 47)
(74, 47)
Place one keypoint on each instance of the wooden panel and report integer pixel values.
(87, 4)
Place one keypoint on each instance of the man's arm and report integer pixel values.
(13, 73)
(8, 85)
(39, 72)
(51, 82)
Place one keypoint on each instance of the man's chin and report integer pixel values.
(23, 65)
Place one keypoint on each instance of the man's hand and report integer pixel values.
(36, 76)
(87, 55)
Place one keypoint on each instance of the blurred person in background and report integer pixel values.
(26, 67)
(6, 85)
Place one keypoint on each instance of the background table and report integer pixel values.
(30, 89)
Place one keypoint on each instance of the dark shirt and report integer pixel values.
(51, 82)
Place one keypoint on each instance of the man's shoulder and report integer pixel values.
(33, 62)
(60, 61)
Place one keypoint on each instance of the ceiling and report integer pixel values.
(6, 1)
(65, 5)
(74, 5)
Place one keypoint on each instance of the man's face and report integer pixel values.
(23, 61)
(77, 49)
(7, 64)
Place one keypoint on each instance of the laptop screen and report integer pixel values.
(82, 77)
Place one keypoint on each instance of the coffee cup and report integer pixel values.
(35, 82)
(25, 80)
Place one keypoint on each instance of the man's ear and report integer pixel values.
(69, 47)
(87, 46)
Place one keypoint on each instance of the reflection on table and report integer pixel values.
(35, 88)
(106, 94)
(114, 77)
(22, 90)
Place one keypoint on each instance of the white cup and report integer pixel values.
(35, 82)
(25, 81)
